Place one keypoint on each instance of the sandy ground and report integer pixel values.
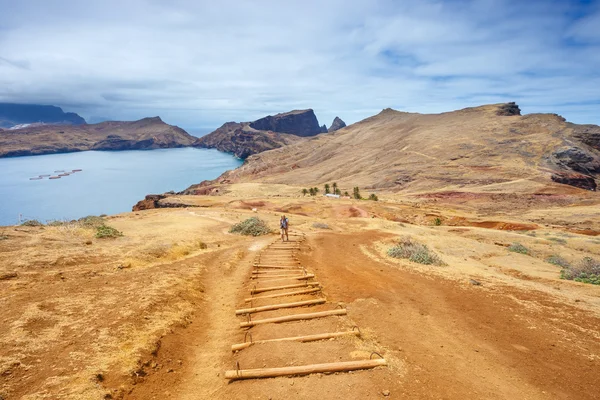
(152, 314)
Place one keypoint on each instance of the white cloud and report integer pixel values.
(200, 63)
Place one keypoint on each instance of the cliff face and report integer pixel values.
(15, 114)
(145, 134)
(336, 124)
(244, 139)
(297, 122)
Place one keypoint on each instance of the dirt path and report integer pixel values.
(442, 338)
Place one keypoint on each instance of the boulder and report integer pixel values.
(508, 109)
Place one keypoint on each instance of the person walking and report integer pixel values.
(283, 225)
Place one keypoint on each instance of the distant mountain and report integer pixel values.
(145, 134)
(15, 114)
(246, 138)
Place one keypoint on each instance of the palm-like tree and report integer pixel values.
(311, 191)
(335, 188)
(304, 192)
(327, 188)
(316, 189)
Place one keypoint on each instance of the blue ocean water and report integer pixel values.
(110, 181)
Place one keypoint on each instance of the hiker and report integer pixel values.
(283, 224)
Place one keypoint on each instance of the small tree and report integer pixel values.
(316, 190)
(311, 191)
(373, 197)
(346, 194)
(356, 193)
(327, 188)
(338, 191)
(304, 192)
(335, 188)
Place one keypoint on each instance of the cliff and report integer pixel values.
(16, 114)
(337, 124)
(145, 134)
(246, 138)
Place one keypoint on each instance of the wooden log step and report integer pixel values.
(294, 293)
(302, 339)
(278, 306)
(290, 275)
(277, 271)
(295, 317)
(276, 266)
(295, 277)
(295, 285)
(342, 366)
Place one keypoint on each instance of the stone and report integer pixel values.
(336, 124)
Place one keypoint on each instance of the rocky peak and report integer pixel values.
(508, 109)
(336, 124)
(297, 122)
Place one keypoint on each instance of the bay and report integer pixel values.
(110, 181)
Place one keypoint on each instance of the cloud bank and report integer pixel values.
(198, 64)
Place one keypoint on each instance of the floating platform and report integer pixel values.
(44, 176)
(54, 177)
(65, 174)
(76, 170)
(36, 178)
(60, 170)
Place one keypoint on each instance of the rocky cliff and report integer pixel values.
(15, 114)
(336, 125)
(246, 138)
(145, 134)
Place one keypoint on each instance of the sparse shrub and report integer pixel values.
(105, 231)
(201, 245)
(320, 225)
(437, 221)
(557, 260)
(415, 252)
(518, 248)
(373, 197)
(3, 237)
(304, 192)
(531, 233)
(251, 227)
(558, 240)
(32, 222)
(55, 223)
(346, 194)
(586, 271)
(91, 221)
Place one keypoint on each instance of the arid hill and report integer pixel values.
(145, 134)
(246, 138)
(491, 148)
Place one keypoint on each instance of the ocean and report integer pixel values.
(109, 182)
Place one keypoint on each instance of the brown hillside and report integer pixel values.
(147, 133)
(487, 148)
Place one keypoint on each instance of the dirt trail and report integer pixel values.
(442, 338)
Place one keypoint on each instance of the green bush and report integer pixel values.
(414, 252)
(437, 221)
(586, 271)
(32, 222)
(105, 231)
(373, 197)
(251, 227)
(557, 260)
(518, 248)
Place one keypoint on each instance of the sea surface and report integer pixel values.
(110, 182)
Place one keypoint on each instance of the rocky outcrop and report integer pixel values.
(297, 122)
(244, 139)
(508, 109)
(158, 201)
(575, 179)
(336, 124)
(145, 134)
(577, 159)
(14, 114)
(588, 134)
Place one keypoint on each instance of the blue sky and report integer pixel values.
(198, 64)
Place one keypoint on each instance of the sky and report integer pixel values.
(198, 64)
